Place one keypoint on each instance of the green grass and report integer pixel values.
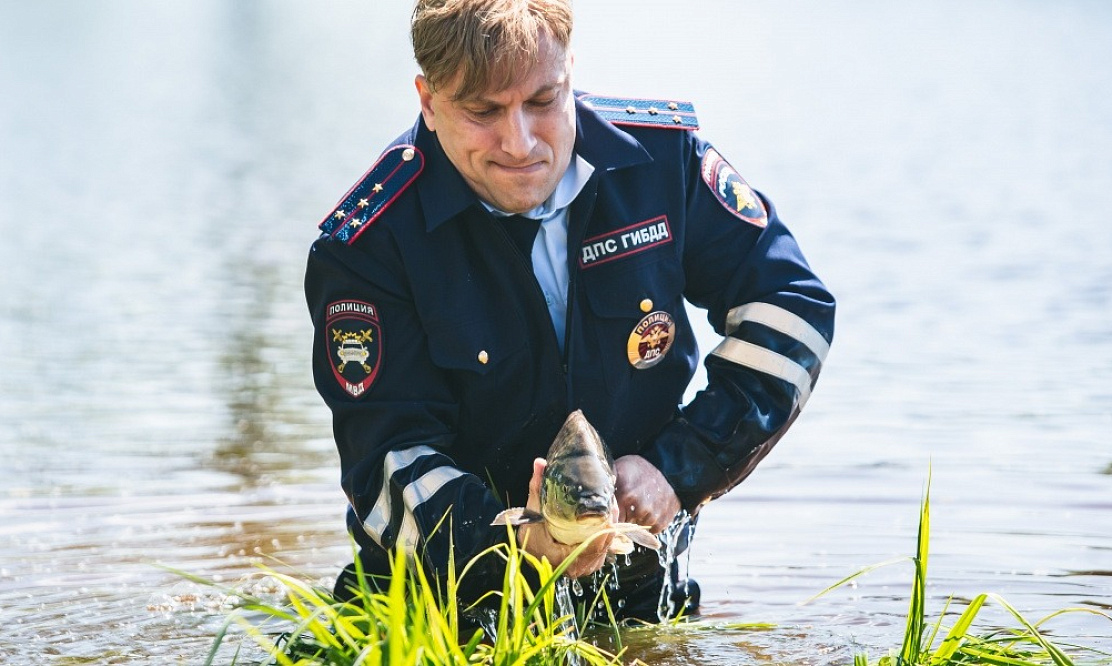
(412, 620)
(416, 620)
(1022, 645)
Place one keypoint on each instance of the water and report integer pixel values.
(945, 165)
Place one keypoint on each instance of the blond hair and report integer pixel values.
(481, 41)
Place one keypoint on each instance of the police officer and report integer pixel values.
(525, 250)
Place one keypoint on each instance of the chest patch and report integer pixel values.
(354, 338)
(624, 242)
(732, 190)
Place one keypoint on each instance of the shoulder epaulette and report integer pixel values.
(376, 190)
(644, 112)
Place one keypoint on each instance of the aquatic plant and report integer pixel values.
(414, 619)
(1024, 645)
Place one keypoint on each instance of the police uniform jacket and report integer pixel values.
(435, 351)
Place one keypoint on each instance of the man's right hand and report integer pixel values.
(535, 539)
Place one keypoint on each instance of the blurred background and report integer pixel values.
(946, 166)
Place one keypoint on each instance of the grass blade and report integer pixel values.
(913, 634)
(957, 633)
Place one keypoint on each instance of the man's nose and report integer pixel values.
(517, 136)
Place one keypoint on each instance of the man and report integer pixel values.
(524, 251)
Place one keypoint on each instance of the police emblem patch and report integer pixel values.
(651, 339)
(732, 190)
(354, 340)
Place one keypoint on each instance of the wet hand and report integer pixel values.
(535, 539)
(644, 496)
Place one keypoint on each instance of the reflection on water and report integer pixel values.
(161, 172)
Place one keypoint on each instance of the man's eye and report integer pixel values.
(483, 113)
(543, 103)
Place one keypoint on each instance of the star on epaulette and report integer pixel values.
(394, 171)
(643, 112)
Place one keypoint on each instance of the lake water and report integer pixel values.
(947, 167)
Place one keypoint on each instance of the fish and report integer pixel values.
(577, 492)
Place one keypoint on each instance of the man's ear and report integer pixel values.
(424, 93)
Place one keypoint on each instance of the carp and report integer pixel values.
(577, 492)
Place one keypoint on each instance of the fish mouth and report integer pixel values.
(592, 510)
(585, 513)
(592, 519)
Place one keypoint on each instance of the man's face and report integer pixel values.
(511, 146)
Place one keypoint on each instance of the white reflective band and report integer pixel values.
(407, 535)
(768, 362)
(779, 319)
(379, 518)
(415, 494)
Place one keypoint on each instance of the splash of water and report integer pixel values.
(612, 581)
(565, 606)
(679, 533)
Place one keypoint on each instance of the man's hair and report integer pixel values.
(481, 41)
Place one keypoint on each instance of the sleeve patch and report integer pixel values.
(376, 190)
(732, 190)
(353, 337)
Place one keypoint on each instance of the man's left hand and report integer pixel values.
(644, 496)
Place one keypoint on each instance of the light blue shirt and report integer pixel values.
(550, 247)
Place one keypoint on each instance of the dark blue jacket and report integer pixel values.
(435, 351)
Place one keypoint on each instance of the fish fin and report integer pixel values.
(621, 545)
(638, 535)
(517, 516)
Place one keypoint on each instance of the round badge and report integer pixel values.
(651, 339)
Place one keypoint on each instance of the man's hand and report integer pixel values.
(644, 496)
(535, 539)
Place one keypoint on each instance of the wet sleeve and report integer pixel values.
(393, 413)
(776, 317)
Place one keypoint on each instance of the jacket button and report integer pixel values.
(483, 357)
(646, 305)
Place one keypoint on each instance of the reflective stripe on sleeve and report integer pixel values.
(378, 521)
(779, 319)
(414, 495)
(768, 362)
